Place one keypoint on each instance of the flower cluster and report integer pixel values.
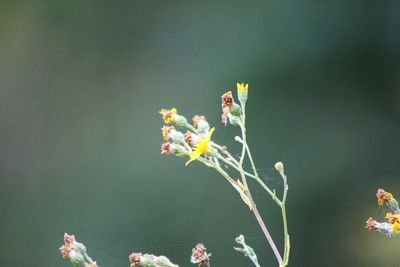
(75, 252)
(196, 141)
(392, 223)
(200, 255)
(149, 260)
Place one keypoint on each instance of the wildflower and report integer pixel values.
(383, 197)
(170, 148)
(171, 116)
(396, 227)
(68, 245)
(242, 87)
(191, 138)
(167, 149)
(201, 124)
(227, 101)
(169, 132)
(196, 119)
(392, 218)
(139, 259)
(166, 130)
(200, 256)
(242, 90)
(135, 259)
(384, 227)
(75, 252)
(168, 115)
(201, 148)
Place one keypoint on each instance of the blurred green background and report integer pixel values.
(81, 83)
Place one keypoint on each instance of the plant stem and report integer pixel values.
(281, 203)
(285, 226)
(255, 210)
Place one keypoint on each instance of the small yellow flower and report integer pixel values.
(392, 218)
(168, 115)
(396, 227)
(201, 148)
(383, 197)
(166, 130)
(242, 87)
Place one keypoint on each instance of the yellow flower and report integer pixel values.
(201, 148)
(242, 87)
(383, 197)
(166, 130)
(396, 227)
(392, 218)
(168, 115)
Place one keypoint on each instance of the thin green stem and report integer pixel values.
(255, 210)
(263, 185)
(284, 220)
(281, 203)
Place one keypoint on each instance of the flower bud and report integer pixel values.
(279, 166)
(76, 258)
(235, 109)
(234, 120)
(203, 126)
(180, 150)
(80, 248)
(393, 204)
(242, 91)
(180, 120)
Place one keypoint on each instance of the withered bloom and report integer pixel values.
(200, 256)
(383, 197)
(68, 245)
(227, 100)
(167, 149)
(196, 120)
(135, 259)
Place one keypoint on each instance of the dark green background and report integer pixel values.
(81, 83)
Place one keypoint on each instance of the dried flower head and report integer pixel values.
(227, 100)
(383, 197)
(167, 149)
(135, 259)
(372, 225)
(191, 138)
(68, 245)
(168, 115)
(200, 256)
(166, 131)
(384, 227)
(196, 119)
(225, 115)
